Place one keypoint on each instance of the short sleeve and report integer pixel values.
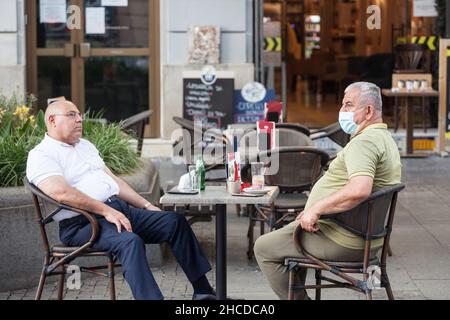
(41, 166)
(361, 159)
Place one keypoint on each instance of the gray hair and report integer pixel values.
(369, 94)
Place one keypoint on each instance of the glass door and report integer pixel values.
(108, 63)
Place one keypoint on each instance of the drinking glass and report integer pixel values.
(194, 183)
(257, 175)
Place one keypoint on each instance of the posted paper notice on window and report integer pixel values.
(115, 3)
(53, 11)
(95, 21)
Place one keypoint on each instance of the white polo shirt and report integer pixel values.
(80, 165)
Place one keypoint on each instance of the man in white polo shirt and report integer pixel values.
(70, 170)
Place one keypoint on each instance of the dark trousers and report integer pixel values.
(148, 227)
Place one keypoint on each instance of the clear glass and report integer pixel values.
(54, 79)
(126, 27)
(193, 178)
(257, 175)
(51, 34)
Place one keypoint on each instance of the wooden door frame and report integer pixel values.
(77, 63)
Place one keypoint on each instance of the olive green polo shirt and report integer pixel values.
(373, 153)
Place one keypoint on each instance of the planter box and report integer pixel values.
(21, 254)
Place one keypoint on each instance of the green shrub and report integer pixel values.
(21, 131)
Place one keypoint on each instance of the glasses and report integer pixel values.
(72, 115)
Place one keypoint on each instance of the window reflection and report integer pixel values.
(54, 78)
(119, 86)
(126, 27)
(51, 35)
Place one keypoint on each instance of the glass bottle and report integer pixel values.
(201, 172)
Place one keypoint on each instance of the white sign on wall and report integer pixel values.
(425, 8)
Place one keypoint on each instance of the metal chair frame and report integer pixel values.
(363, 222)
(59, 256)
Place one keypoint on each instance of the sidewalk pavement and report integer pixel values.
(419, 268)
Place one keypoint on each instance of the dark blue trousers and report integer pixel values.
(148, 227)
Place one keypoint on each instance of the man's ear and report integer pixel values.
(370, 113)
(51, 120)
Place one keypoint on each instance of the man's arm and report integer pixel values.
(355, 192)
(57, 188)
(130, 196)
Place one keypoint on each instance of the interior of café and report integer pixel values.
(329, 44)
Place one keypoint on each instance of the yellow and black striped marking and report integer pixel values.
(430, 42)
(272, 44)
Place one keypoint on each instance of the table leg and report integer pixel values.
(221, 251)
(409, 127)
(410, 131)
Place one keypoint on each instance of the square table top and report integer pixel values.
(218, 195)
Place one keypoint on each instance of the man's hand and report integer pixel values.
(308, 221)
(119, 220)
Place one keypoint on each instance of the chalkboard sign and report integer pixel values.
(212, 105)
(248, 112)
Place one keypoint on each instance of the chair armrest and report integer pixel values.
(318, 135)
(85, 246)
(37, 193)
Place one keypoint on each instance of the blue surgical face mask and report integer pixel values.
(346, 120)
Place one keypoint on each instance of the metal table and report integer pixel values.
(218, 196)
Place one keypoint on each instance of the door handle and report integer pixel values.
(85, 49)
(69, 50)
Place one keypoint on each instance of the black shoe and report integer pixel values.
(203, 296)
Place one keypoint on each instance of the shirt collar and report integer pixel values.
(54, 141)
(374, 126)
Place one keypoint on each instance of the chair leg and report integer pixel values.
(62, 278)
(112, 287)
(387, 284)
(238, 210)
(291, 284)
(41, 285)
(318, 283)
(250, 235)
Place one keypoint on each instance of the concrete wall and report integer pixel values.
(236, 51)
(12, 42)
(21, 254)
(233, 16)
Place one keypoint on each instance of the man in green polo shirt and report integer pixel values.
(369, 162)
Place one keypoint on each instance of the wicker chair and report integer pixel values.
(298, 170)
(286, 137)
(333, 132)
(59, 256)
(373, 219)
(207, 137)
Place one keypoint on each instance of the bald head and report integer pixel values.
(64, 122)
(58, 107)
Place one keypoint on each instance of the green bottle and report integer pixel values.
(201, 172)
